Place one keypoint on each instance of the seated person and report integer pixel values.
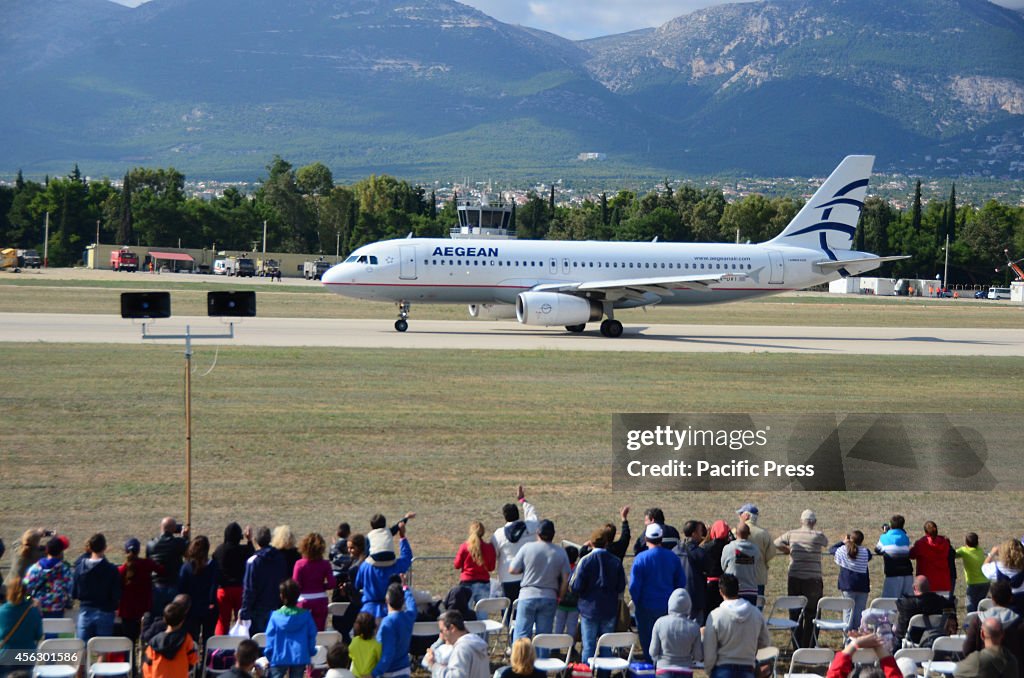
(923, 601)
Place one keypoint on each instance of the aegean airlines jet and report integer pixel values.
(571, 283)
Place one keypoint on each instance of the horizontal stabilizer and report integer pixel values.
(835, 265)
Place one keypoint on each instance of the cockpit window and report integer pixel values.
(363, 259)
(351, 259)
(373, 261)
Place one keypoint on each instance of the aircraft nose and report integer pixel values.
(331, 275)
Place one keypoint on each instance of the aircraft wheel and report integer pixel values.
(576, 329)
(401, 325)
(611, 328)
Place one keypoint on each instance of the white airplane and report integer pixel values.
(571, 283)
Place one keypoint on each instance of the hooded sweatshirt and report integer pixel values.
(49, 582)
(509, 539)
(291, 637)
(469, 658)
(96, 584)
(734, 632)
(934, 556)
(675, 639)
(169, 655)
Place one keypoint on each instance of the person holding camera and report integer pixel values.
(168, 550)
(894, 547)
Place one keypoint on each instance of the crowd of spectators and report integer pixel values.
(696, 596)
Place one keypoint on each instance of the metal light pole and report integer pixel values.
(46, 242)
(945, 271)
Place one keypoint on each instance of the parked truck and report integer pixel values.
(124, 260)
(9, 260)
(240, 267)
(30, 259)
(268, 268)
(314, 270)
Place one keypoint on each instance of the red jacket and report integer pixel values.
(842, 665)
(932, 556)
(471, 570)
(137, 594)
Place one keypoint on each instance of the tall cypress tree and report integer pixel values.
(951, 214)
(915, 218)
(125, 231)
(551, 201)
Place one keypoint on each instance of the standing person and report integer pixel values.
(136, 588)
(734, 633)
(96, 584)
(972, 557)
(373, 579)
(291, 635)
(567, 612)
(395, 632)
(348, 589)
(655, 574)
(714, 543)
(48, 580)
(762, 539)
(894, 547)
(804, 546)
(694, 560)
(27, 551)
(545, 570)
(1005, 562)
(261, 583)
(365, 650)
(854, 581)
(283, 539)
(739, 558)
(670, 535)
(172, 652)
(476, 559)
(230, 557)
(509, 539)
(469, 651)
(168, 550)
(199, 579)
(315, 578)
(675, 640)
(21, 623)
(935, 559)
(599, 580)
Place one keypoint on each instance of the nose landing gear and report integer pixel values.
(402, 324)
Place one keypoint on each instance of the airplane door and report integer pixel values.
(777, 268)
(407, 258)
(554, 266)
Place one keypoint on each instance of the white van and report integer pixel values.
(999, 293)
(220, 267)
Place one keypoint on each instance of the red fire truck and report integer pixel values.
(124, 260)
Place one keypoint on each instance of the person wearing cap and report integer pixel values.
(759, 537)
(545, 570)
(136, 588)
(373, 577)
(804, 547)
(669, 534)
(655, 574)
(512, 536)
(48, 581)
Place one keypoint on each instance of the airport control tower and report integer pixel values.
(484, 220)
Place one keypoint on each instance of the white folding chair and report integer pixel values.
(217, 643)
(614, 642)
(491, 611)
(786, 604)
(337, 609)
(59, 626)
(101, 645)
(476, 627)
(261, 640)
(942, 646)
(831, 604)
(324, 641)
(968, 618)
(809, 656)
(768, 656)
(985, 604)
(864, 657)
(920, 622)
(72, 648)
(919, 655)
(888, 604)
(559, 642)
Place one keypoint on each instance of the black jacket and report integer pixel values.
(169, 551)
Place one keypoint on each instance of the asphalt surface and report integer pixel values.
(510, 335)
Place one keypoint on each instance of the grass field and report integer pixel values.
(93, 437)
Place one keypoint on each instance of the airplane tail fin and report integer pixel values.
(829, 219)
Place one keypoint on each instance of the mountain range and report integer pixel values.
(433, 89)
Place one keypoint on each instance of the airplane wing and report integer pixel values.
(836, 264)
(637, 287)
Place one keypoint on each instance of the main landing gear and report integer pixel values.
(611, 328)
(402, 324)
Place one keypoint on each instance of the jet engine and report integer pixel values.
(554, 308)
(492, 311)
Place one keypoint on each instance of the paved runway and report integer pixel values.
(509, 335)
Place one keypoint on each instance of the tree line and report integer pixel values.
(306, 211)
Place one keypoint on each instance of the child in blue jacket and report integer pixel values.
(291, 635)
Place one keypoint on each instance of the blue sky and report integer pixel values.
(578, 19)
